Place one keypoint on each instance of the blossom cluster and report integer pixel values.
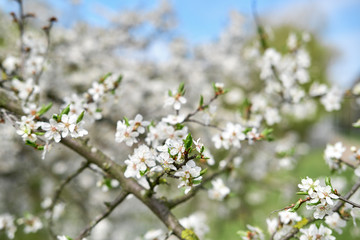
(31, 224)
(333, 155)
(313, 232)
(321, 197)
(90, 101)
(58, 127)
(283, 224)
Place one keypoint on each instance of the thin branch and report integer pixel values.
(203, 124)
(58, 193)
(201, 108)
(347, 163)
(110, 208)
(352, 191)
(350, 202)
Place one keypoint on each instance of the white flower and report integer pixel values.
(272, 225)
(175, 101)
(31, 109)
(26, 88)
(67, 124)
(219, 190)
(157, 234)
(307, 184)
(333, 154)
(197, 223)
(332, 99)
(173, 119)
(254, 233)
(272, 116)
(189, 175)
(166, 161)
(231, 136)
(176, 148)
(142, 159)
(10, 64)
(335, 222)
(63, 237)
(97, 91)
(27, 127)
(325, 195)
(52, 130)
(291, 41)
(32, 223)
(7, 224)
(125, 133)
(287, 217)
(252, 135)
(198, 145)
(92, 111)
(220, 141)
(318, 89)
(320, 210)
(138, 124)
(313, 233)
(79, 131)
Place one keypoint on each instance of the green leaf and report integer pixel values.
(126, 121)
(119, 79)
(30, 143)
(267, 134)
(102, 79)
(107, 182)
(301, 193)
(179, 126)
(328, 181)
(39, 133)
(297, 205)
(44, 109)
(314, 204)
(170, 93)
(214, 87)
(40, 147)
(56, 117)
(201, 103)
(181, 88)
(80, 117)
(188, 142)
(142, 173)
(248, 129)
(196, 182)
(203, 171)
(65, 110)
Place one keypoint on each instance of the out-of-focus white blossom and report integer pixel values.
(7, 224)
(197, 223)
(333, 155)
(219, 190)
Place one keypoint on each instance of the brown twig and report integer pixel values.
(58, 193)
(110, 208)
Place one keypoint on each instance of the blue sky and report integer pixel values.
(337, 21)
